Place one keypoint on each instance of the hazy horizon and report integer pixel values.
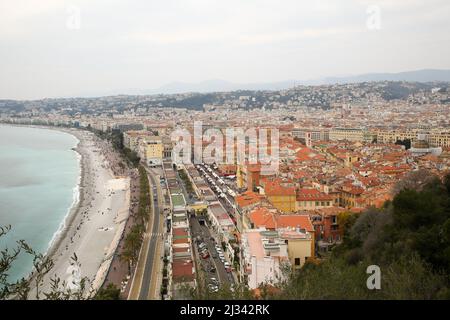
(57, 48)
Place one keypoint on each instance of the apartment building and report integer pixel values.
(299, 245)
(281, 196)
(436, 138)
(263, 256)
(131, 139)
(151, 150)
(312, 199)
(350, 134)
(313, 134)
(247, 176)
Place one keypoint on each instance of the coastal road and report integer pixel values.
(145, 277)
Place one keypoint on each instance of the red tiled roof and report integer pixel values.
(182, 270)
(180, 231)
(312, 195)
(262, 217)
(274, 188)
(295, 220)
(248, 198)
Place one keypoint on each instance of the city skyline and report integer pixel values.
(76, 48)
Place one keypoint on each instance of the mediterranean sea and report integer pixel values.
(39, 176)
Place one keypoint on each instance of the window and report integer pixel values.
(297, 261)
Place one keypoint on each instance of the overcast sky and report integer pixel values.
(58, 48)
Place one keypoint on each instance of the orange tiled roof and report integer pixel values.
(262, 217)
(248, 198)
(295, 220)
(312, 195)
(274, 188)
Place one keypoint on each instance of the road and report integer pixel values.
(145, 279)
(203, 232)
(228, 202)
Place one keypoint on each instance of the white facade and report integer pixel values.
(264, 255)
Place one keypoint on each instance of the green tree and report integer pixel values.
(111, 292)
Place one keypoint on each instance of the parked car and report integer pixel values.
(214, 280)
(213, 288)
(205, 255)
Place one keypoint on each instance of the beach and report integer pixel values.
(95, 224)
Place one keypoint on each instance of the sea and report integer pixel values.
(39, 184)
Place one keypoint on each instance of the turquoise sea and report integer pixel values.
(39, 176)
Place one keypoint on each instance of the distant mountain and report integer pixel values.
(221, 85)
(426, 75)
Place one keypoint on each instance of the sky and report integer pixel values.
(59, 48)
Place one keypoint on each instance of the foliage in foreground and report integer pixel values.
(111, 292)
(31, 287)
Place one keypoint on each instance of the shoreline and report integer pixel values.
(71, 211)
(94, 223)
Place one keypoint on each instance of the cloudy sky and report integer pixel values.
(59, 48)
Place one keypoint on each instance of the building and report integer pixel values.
(167, 152)
(151, 150)
(264, 255)
(314, 135)
(350, 196)
(311, 199)
(222, 224)
(122, 127)
(281, 196)
(436, 138)
(271, 220)
(326, 226)
(422, 147)
(300, 245)
(439, 138)
(349, 134)
(247, 176)
(131, 139)
(392, 136)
